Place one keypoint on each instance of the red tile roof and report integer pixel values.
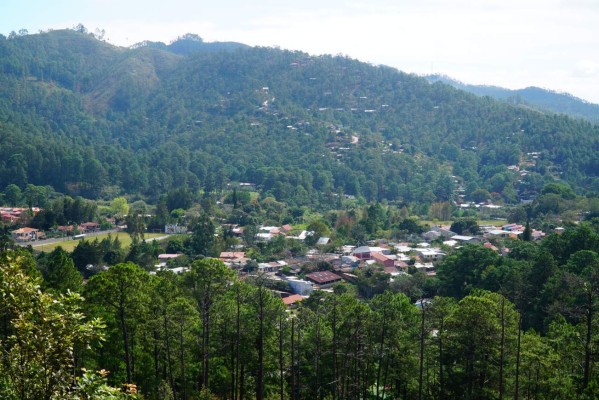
(294, 298)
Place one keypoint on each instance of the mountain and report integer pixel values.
(97, 120)
(534, 97)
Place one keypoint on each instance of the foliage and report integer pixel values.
(174, 119)
(39, 339)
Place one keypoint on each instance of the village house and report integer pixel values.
(365, 252)
(164, 258)
(89, 227)
(384, 260)
(292, 300)
(175, 229)
(300, 286)
(427, 268)
(232, 256)
(274, 266)
(466, 239)
(430, 254)
(323, 278)
(26, 234)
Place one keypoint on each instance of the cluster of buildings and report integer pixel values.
(28, 234)
(394, 258)
(11, 215)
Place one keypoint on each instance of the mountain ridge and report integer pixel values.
(540, 98)
(142, 121)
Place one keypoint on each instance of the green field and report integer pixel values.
(70, 244)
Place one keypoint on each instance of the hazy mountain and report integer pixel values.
(541, 99)
(94, 119)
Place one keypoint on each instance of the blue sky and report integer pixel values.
(511, 43)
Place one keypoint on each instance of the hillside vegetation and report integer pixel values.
(92, 119)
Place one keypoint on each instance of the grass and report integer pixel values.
(69, 245)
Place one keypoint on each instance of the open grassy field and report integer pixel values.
(70, 244)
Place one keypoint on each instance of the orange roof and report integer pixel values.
(232, 254)
(26, 230)
(294, 298)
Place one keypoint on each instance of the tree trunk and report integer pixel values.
(441, 377)
(420, 372)
(502, 351)
(281, 375)
(335, 371)
(587, 342)
(125, 341)
(260, 346)
(293, 382)
(381, 355)
(206, 343)
(182, 361)
(517, 383)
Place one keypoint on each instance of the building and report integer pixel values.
(291, 300)
(365, 252)
(323, 278)
(163, 259)
(300, 286)
(466, 239)
(25, 234)
(88, 227)
(175, 229)
(430, 255)
(271, 266)
(386, 261)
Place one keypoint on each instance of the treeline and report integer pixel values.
(518, 326)
(145, 120)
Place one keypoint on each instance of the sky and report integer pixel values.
(553, 44)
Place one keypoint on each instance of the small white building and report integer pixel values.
(300, 286)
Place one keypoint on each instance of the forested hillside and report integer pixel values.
(96, 120)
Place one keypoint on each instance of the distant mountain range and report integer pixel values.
(534, 97)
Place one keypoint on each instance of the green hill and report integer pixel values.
(93, 119)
